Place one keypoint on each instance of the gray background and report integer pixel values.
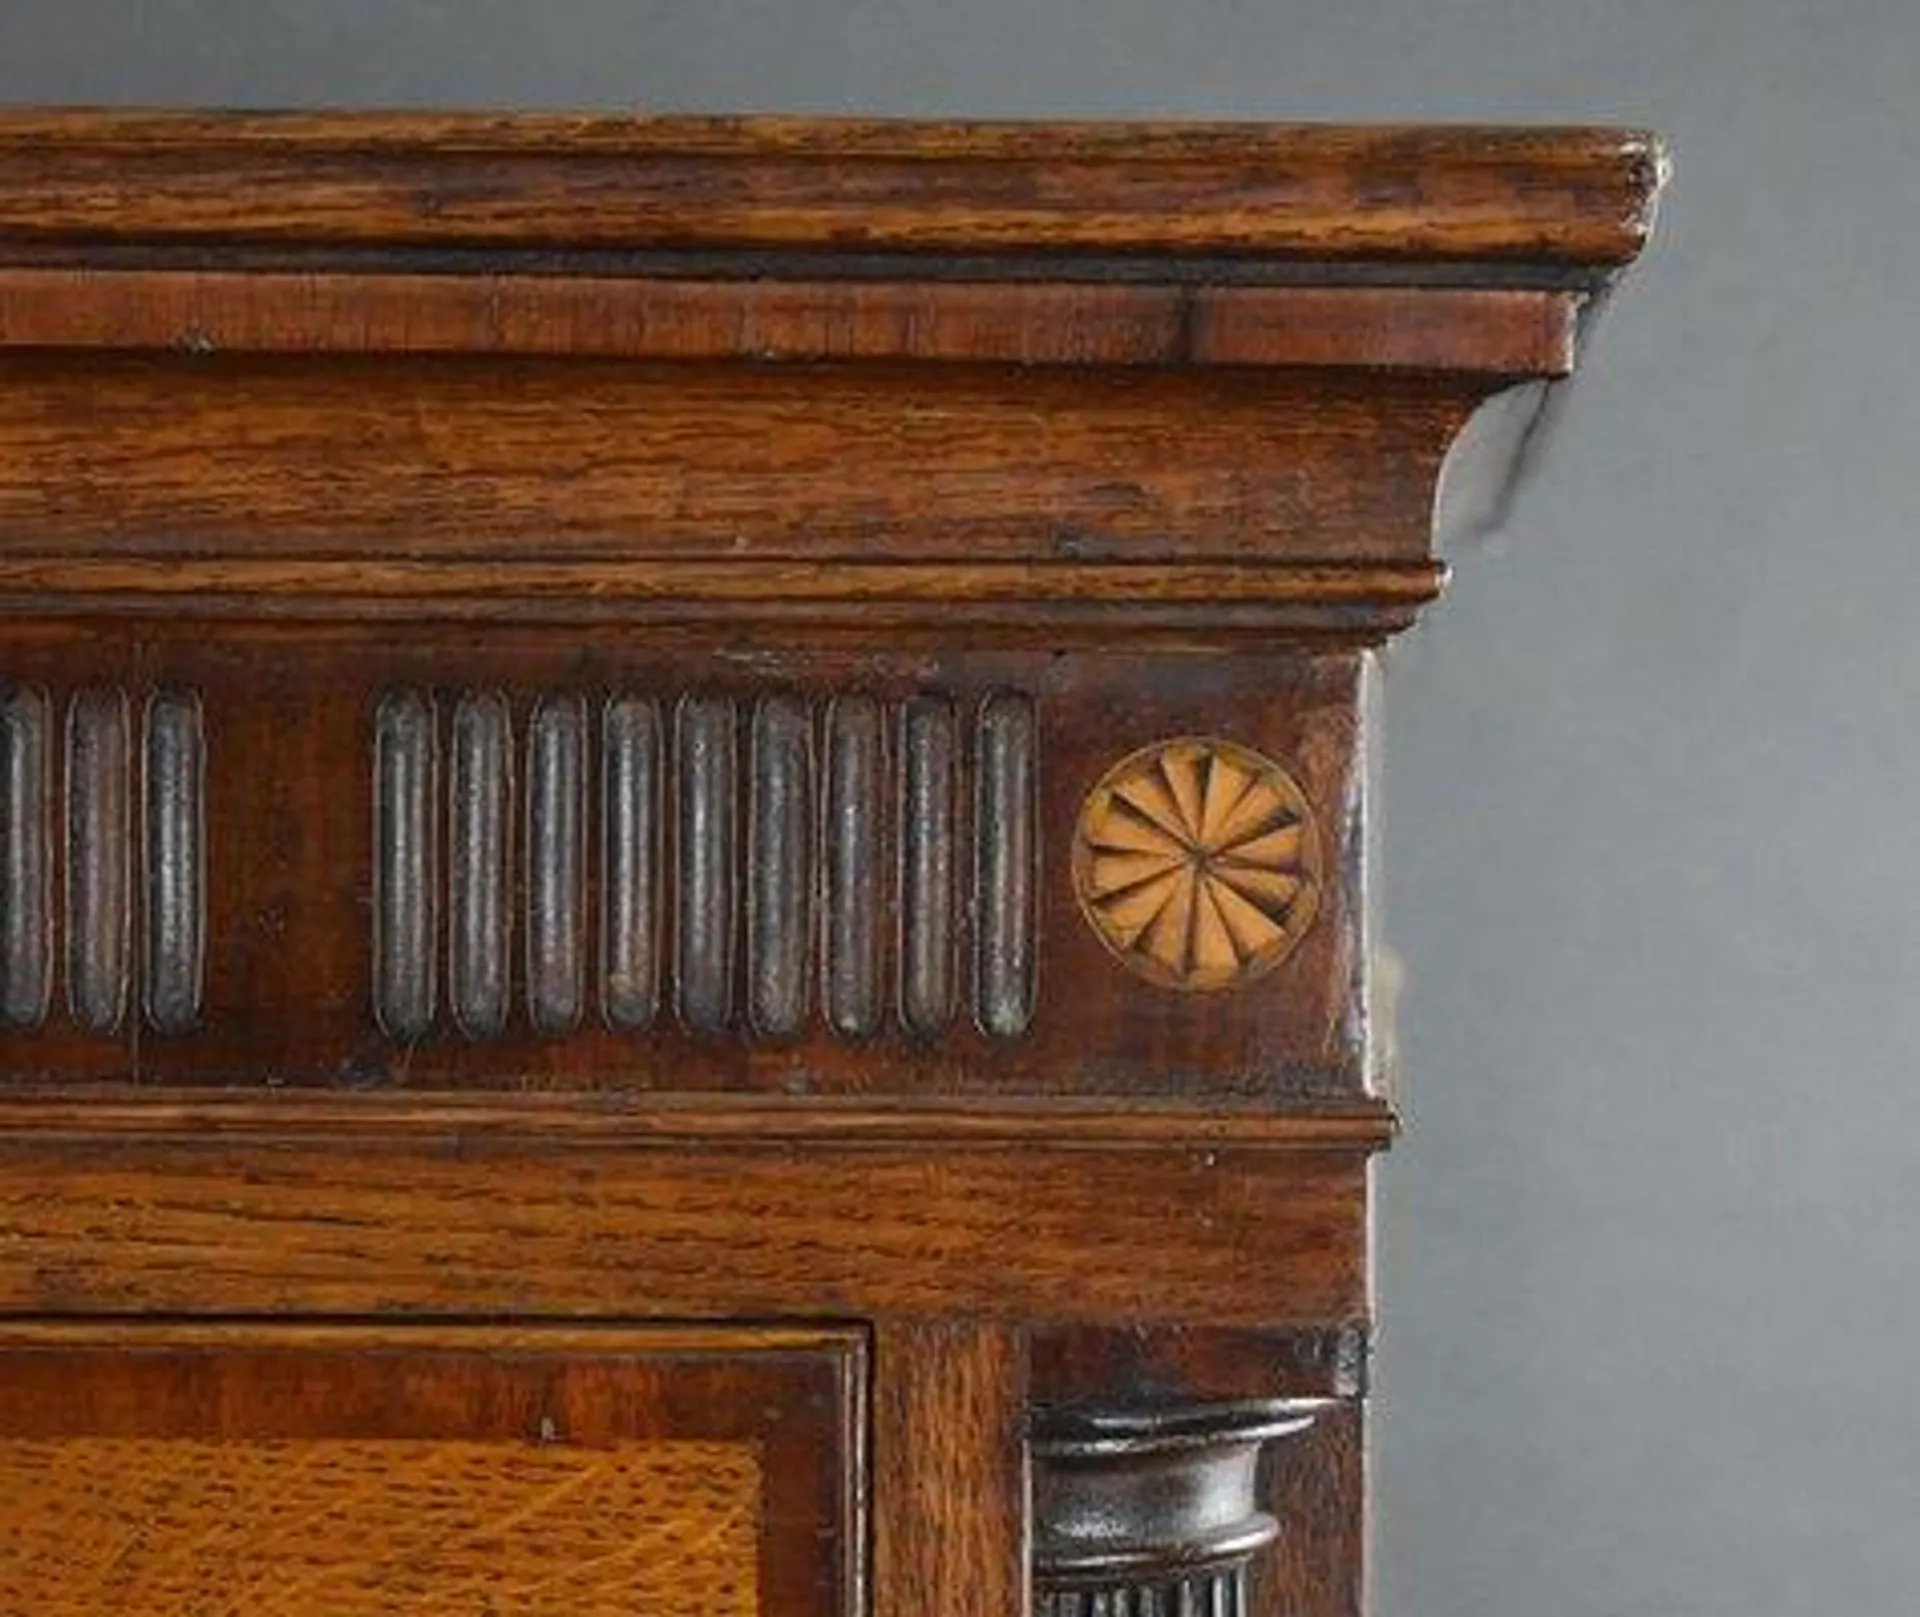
(1652, 1340)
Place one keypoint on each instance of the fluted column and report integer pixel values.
(1152, 1511)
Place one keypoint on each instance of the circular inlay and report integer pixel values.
(1198, 863)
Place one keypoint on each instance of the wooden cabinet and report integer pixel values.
(684, 914)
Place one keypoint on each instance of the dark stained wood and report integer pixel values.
(157, 1468)
(404, 865)
(1314, 1483)
(553, 872)
(1078, 1364)
(780, 866)
(631, 832)
(479, 919)
(1318, 1488)
(949, 1471)
(707, 898)
(1006, 864)
(174, 859)
(311, 964)
(1154, 1506)
(854, 875)
(26, 838)
(611, 722)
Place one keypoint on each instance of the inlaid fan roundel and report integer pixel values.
(1198, 863)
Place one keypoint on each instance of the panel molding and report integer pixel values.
(613, 1465)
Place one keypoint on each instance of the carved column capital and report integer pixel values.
(1152, 1511)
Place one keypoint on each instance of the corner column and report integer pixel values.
(1153, 1511)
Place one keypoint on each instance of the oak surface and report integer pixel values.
(274, 1224)
(171, 1470)
(685, 839)
(949, 1467)
(1566, 196)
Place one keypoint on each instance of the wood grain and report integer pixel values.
(173, 1527)
(1514, 331)
(1053, 1231)
(1584, 196)
(564, 657)
(1318, 1488)
(396, 462)
(949, 1470)
(1361, 1124)
(170, 1470)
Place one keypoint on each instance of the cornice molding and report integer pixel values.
(1573, 197)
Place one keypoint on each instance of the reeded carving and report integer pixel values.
(709, 787)
(780, 872)
(405, 770)
(99, 857)
(556, 864)
(1006, 864)
(26, 864)
(854, 879)
(735, 852)
(176, 865)
(132, 838)
(929, 759)
(630, 750)
(479, 820)
(1198, 863)
(1209, 1593)
(1153, 1511)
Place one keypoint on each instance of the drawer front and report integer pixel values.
(356, 1472)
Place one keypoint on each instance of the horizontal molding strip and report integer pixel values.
(1544, 194)
(1060, 596)
(1367, 1124)
(1504, 331)
(1131, 1236)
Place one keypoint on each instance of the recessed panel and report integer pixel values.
(431, 1472)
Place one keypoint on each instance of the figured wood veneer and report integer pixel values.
(170, 1470)
(610, 722)
(178, 1527)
